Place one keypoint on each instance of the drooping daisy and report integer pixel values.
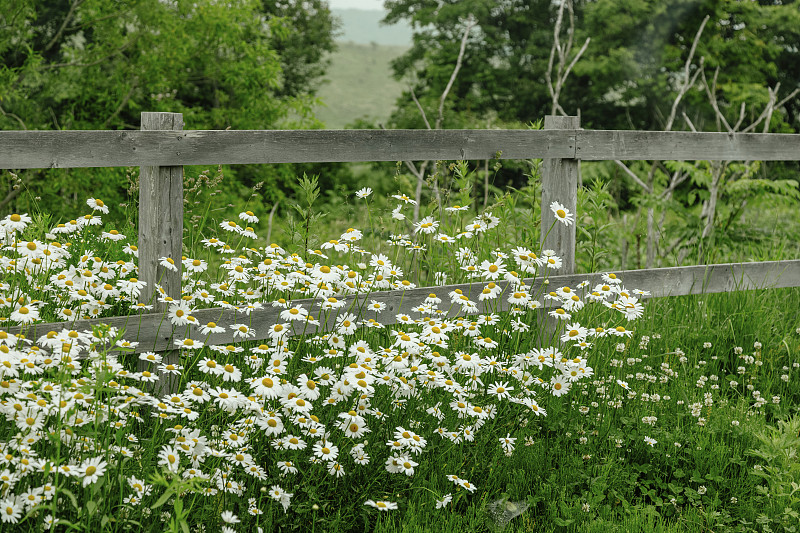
(169, 458)
(562, 214)
(381, 505)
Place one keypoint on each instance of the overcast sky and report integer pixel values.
(376, 5)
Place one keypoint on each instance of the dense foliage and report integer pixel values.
(627, 77)
(94, 64)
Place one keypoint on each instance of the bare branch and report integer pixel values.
(121, 105)
(688, 121)
(14, 116)
(688, 81)
(67, 20)
(576, 58)
(710, 90)
(419, 106)
(761, 117)
(741, 112)
(633, 175)
(470, 23)
(556, 47)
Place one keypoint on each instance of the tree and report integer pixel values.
(627, 77)
(95, 64)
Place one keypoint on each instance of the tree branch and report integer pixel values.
(419, 106)
(687, 80)
(470, 23)
(14, 116)
(67, 20)
(633, 175)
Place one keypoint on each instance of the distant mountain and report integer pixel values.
(363, 27)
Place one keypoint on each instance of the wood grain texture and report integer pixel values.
(71, 149)
(682, 146)
(161, 230)
(560, 184)
(154, 332)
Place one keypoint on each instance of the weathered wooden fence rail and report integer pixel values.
(83, 149)
(162, 147)
(154, 333)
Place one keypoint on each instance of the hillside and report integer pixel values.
(360, 84)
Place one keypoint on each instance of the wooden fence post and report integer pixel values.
(560, 184)
(161, 233)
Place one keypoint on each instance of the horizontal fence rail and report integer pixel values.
(162, 147)
(154, 332)
(125, 148)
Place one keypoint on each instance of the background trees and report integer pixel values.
(627, 77)
(95, 64)
(651, 65)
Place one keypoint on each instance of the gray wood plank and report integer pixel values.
(161, 229)
(70, 149)
(678, 145)
(156, 334)
(560, 184)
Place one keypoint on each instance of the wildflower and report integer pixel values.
(25, 314)
(381, 505)
(15, 222)
(112, 235)
(442, 503)
(179, 313)
(10, 509)
(168, 263)
(229, 518)
(280, 495)
(195, 265)
(507, 443)
(405, 199)
(562, 214)
(501, 390)
(652, 442)
(559, 385)
(426, 225)
(188, 344)
(97, 205)
(92, 470)
(242, 331)
(248, 217)
(492, 270)
(574, 332)
(169, 457)
(464, 484)
(363, 192)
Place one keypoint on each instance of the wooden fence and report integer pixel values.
(161, 147)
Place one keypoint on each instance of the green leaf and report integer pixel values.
(71, 497)
(162, 500)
